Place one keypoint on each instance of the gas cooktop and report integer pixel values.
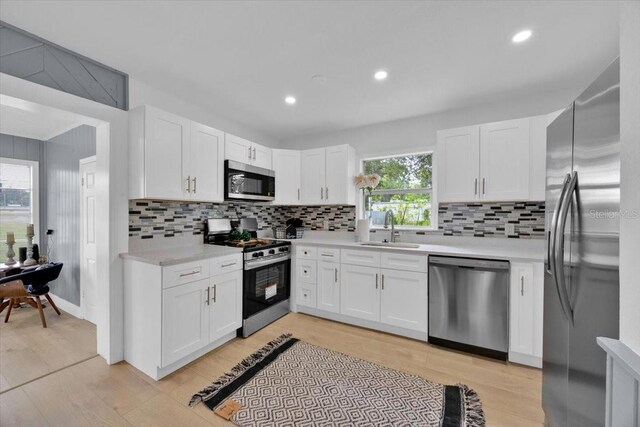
(253, 245)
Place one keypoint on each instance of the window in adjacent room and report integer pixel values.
(18, 202)
(405, 188)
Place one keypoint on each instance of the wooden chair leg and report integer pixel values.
(53, 304)
(44, 322)
(6, 318)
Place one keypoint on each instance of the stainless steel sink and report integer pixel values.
(391, 245)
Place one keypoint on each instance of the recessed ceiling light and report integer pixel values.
(380, 75)
(521, 36)
(290, 100)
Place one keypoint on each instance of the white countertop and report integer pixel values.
(180, 254)
(506, 249)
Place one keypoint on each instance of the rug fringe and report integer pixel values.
(474, 415)
(238, 370)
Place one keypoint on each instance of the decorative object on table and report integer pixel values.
(50, 242)
(30, 234)
(367, 183)
(11, 240)
(363, 228)
(340, 389)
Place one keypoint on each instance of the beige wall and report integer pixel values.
(630, 174)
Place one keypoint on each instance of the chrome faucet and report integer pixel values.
(388, 215)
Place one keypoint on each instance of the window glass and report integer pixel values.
(16, 203)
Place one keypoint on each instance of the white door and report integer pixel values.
(88, 266)
(337, 182)
(328, 298)
(286, 164)
(226, 304)
(504, 160)
(360, 294)
(185, 320)
(404, 299)
(206, 163)
(521, 313)
(237, 149)
(312, 172)
(166, 141)
(458, 164)
(261, 156)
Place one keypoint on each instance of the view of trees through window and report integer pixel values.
(405, 188)
(16, 208)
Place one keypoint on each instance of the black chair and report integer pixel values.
(30, 285)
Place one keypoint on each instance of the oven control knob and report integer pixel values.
(255, 255)
(285, 249)
(272, 251)
(260, 253)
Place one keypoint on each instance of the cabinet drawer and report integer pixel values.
(329, 254)
(185, 273)
(306, 271)
(226, 264)
(365, 258)
(306, 252)
(306, 294)
(405, 262)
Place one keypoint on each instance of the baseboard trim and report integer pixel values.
(525, 359)
(67, 307)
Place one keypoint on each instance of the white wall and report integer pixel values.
(141, 93)
(630, 174)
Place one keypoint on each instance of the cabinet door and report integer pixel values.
(206, 160)
(226, 304)
(313, 175)
(185, 320)
(458, 164)
(286, 164)
(328, 297)
(337, 181)
(360, 292)
(522, 304)
(504, 160)
(404, 299)
(237, 149)
(261, 156)
(166, 142)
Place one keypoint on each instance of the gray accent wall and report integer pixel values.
(62, 212)
(31, 58)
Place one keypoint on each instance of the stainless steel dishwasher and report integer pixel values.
(469, 305)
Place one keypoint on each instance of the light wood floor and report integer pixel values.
(92, 393)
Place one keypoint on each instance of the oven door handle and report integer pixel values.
(257, 264)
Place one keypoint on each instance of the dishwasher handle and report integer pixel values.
(480, 264)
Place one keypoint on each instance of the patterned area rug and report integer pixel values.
(293, 383)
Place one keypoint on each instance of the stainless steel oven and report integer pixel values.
(247, 182)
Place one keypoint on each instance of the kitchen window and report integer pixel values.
(18, 202)
(405, 188)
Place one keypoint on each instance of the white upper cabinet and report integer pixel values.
(327, 176)
(286, 164)
(173, 158)
(502, 161)
(245, 151)
(457, 164)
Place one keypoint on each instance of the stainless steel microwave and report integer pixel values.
(247, 182)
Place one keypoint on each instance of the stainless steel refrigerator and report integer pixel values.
(581, 286)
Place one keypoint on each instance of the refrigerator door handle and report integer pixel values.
(551, 249)
(559, 246)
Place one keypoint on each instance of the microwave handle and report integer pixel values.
(249, 153)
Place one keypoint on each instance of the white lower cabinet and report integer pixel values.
(526, 313)
(404, 299)
(185, 320)
(226, 304)
(360, 292)
(328, 298)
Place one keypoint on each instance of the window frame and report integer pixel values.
(35, 192)
(432, 191)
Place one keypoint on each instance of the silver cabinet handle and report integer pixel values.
(254, 153)
(326, 192)
(336, 275)
(521, 285)
(321, 193)
(214, 293)
(194, 184)
(208, 295)
(189, 274)
(476, 187)
(189, 184)
(383, 282)
(327, 255)
(298, 194)
(483, 192)
(249, 153)
(376, 280)
(228, 265)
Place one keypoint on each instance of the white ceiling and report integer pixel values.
(41, 124)
(244, 57)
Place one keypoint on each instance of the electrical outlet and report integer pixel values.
(509, 229)
(325, 224)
